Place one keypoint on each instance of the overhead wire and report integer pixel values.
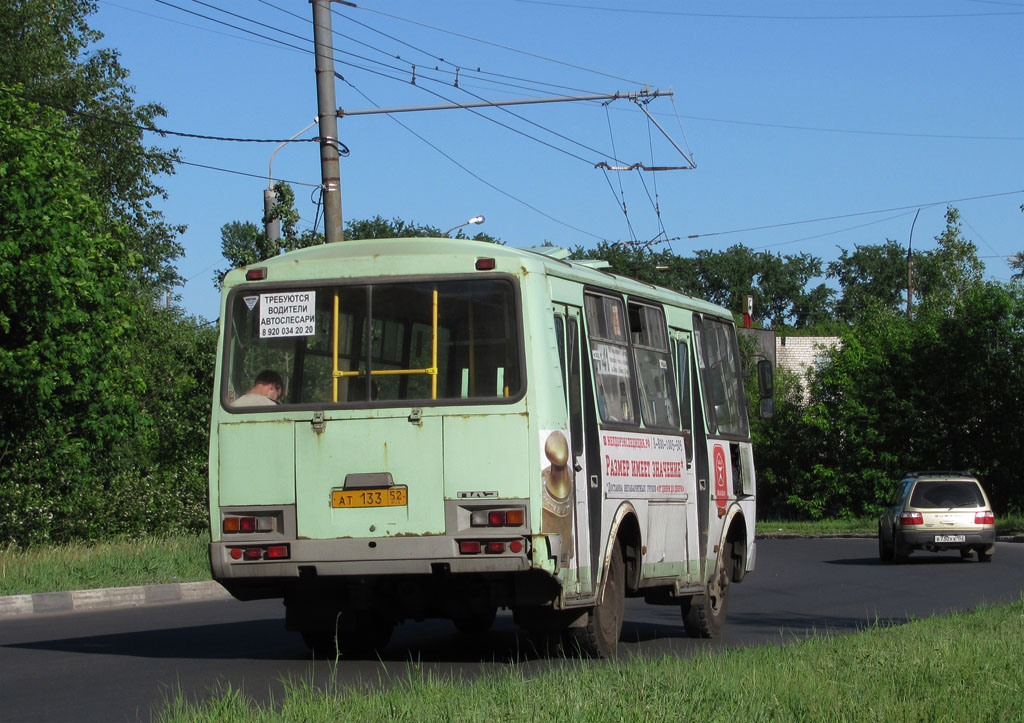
(497, 45)
(472, 173)
(738, 16)
(393, 68)
(853, 215)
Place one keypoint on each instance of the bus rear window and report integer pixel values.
(395, 342)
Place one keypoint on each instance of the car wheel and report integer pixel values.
(900, 550)
(966, 552)
(885, 551)
(984, 554)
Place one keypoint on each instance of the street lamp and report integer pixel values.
(272, 229)
(475, 220)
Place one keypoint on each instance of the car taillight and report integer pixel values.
(984, 518)
(911, 518)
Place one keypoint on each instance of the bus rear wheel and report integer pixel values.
(599, 637)
(704, 615)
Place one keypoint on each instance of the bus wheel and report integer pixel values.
(704, 615)
(600, 636)
(476, 622)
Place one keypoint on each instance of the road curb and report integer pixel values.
(12, 606)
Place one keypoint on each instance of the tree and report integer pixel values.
(942, 390)
(49, 53)
(777, 283)
(104, 417)
(66, 316)
(873, 275)
(944, 275)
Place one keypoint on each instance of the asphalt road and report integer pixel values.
(118, 665)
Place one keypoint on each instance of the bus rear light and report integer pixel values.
(495, 548)
(485, 264)
(253, 553)
(984, 518)
(513, 517)
(469, 547)
(911, 518)
(236, 553)
(248, 524)
(277, 552)
(515, 546)
(257, 274)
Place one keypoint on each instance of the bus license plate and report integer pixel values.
(390, 497)
(951, 538)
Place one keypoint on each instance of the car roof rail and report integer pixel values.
(942, 473)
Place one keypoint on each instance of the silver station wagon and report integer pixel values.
(937, 511)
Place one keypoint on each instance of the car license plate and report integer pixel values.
(951, 538)
(390, 497)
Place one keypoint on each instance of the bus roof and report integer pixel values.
(414, 256)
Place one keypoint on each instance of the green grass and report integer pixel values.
(961, 667)
(54, 568)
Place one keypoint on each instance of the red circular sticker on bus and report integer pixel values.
(721, 477)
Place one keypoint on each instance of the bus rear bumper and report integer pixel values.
(247, 566)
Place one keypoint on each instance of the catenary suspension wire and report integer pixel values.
(474, 175)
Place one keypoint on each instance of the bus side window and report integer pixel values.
(560, 343)
(718, 356)
(653, 367)
(685, 400)
(609, 351)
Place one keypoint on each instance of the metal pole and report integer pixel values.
(330, 169)
(910, 268)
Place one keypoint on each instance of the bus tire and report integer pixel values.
(704, 615)
(599, 637)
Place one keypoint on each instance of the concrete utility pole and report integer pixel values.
(327, 110)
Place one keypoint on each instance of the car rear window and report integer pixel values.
(945, 494)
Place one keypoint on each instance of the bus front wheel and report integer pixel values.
(599, 637)
(704, 615)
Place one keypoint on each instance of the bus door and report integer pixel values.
(697, 466)
(568, 327)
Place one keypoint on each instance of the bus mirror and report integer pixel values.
(765, 379)
(767, 408)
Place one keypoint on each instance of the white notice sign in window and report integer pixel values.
(287, 313)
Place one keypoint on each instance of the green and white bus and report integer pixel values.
(455, 427)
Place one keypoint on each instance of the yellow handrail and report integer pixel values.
(334, 369)
(432, 370)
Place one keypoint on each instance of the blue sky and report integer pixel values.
(815, 125)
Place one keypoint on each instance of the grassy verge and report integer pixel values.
(1005, 525)
(939, 669)
(103, 564)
